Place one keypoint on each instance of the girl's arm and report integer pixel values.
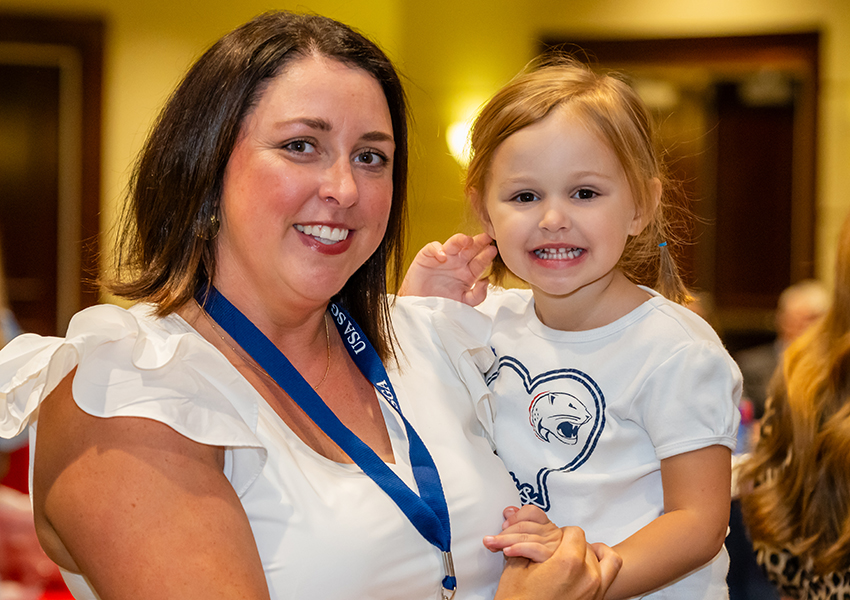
(140, 510)
(453, 270)
(697, 497)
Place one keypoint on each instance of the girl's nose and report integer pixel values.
(555, 218)
(338, 184)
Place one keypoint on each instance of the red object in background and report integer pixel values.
(19, 466)
(748, 411)
(18, 479)
(56, 595)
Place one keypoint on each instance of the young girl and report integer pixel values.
(613, 407)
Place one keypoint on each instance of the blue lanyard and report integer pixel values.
(428, 513)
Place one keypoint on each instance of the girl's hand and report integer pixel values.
(453, 270)
(527, 532)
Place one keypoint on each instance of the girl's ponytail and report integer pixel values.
(669, 283)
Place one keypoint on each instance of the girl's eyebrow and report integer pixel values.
(600, 174)
(524, 178)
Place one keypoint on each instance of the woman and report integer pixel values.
(170, 461)
(797, 508)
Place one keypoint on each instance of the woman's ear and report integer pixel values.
(644, 215)
(477, 203)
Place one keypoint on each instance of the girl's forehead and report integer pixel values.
(561, 134)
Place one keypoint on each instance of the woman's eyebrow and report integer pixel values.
(323, 125)
(377, 136)
(313, 123)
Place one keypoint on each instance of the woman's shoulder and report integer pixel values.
(99, 332)
(430, 325)
(130, 362)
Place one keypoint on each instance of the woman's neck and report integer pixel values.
(289, 322)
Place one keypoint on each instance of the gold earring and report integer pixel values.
(208, 230)
(215, 225)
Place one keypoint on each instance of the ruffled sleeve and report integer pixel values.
(463, 333)
(132, 364)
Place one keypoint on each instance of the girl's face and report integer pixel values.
(559, 206)
(308, 187)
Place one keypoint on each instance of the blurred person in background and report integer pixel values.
(799, 306)
(795, 485)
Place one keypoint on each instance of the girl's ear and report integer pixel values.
(481, 211)
(643, 217)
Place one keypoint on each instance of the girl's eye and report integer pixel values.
(585, 194)
(299, 146)
(371, 158)
(525, 197)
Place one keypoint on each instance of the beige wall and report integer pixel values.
(463, 50)
(455, 54)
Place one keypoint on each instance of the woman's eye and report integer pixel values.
(299, 146)
(585, 194)
(525, 197)
(370, 157)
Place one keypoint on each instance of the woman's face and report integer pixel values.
(308, 187)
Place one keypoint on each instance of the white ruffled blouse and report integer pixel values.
(323, 529)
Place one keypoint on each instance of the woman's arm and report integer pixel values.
(139, 509)
(697, 497)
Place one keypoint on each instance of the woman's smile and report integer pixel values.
(325, 239)
(323, 233)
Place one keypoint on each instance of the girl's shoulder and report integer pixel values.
(680, 319)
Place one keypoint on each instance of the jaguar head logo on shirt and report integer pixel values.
(565, 410)
(558, 414)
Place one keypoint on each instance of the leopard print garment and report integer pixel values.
(797, 580)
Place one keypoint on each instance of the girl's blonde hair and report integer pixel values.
(799, 474)
(616, 113)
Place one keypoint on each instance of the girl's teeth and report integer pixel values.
(323, 233)
(558, 253)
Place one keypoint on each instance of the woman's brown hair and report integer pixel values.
(798, 478)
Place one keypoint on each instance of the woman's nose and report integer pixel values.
(338, 184)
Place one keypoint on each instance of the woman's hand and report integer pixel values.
(453, 270)
(576, 571)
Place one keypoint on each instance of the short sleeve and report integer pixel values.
(690, 401)
(131, 364)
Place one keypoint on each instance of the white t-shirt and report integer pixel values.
(324, 530)
(582, 419)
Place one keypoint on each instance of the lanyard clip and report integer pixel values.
(449, 586)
